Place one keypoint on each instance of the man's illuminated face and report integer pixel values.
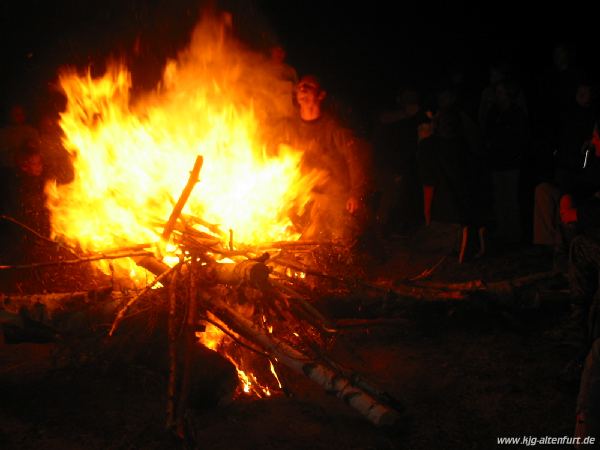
(309, 92)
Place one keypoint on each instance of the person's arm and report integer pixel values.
(427, 201)
(358, 156)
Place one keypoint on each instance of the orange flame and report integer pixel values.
(216, 340)
(132, 158)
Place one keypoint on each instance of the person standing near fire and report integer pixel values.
(339, 209)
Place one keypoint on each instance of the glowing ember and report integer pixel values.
(132, 158)
(216, 340)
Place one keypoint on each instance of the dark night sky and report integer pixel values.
(363, 51)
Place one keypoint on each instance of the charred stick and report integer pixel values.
(427, 272)
(293, 244)
(129, 248)
(171, 392)
(183, 198)
(75, 261)
(190, 343)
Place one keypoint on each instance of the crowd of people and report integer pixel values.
(514, 167)
(497, 164)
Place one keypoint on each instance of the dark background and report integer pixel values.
(363, 51)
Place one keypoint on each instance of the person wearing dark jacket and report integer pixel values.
(507, 138)
(447, 173)
(343, 159)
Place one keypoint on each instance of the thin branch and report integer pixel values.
(38, 235)
(128, 248)
(185, 194)
(302, 268)
(74, 261)
(291, 244)
(429, 271)
(171, 391)
(123, 311)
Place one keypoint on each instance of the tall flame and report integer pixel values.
(132, 158)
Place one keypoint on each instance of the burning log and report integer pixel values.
(253, 272)
(151, 264)
(172, 330)
(333, 381)
(190, 342)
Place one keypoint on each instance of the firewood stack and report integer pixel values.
(261, 301)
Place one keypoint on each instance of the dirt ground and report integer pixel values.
(465, 373)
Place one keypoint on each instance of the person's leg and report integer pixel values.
(545, 215)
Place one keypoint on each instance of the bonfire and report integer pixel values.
(183, 197)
